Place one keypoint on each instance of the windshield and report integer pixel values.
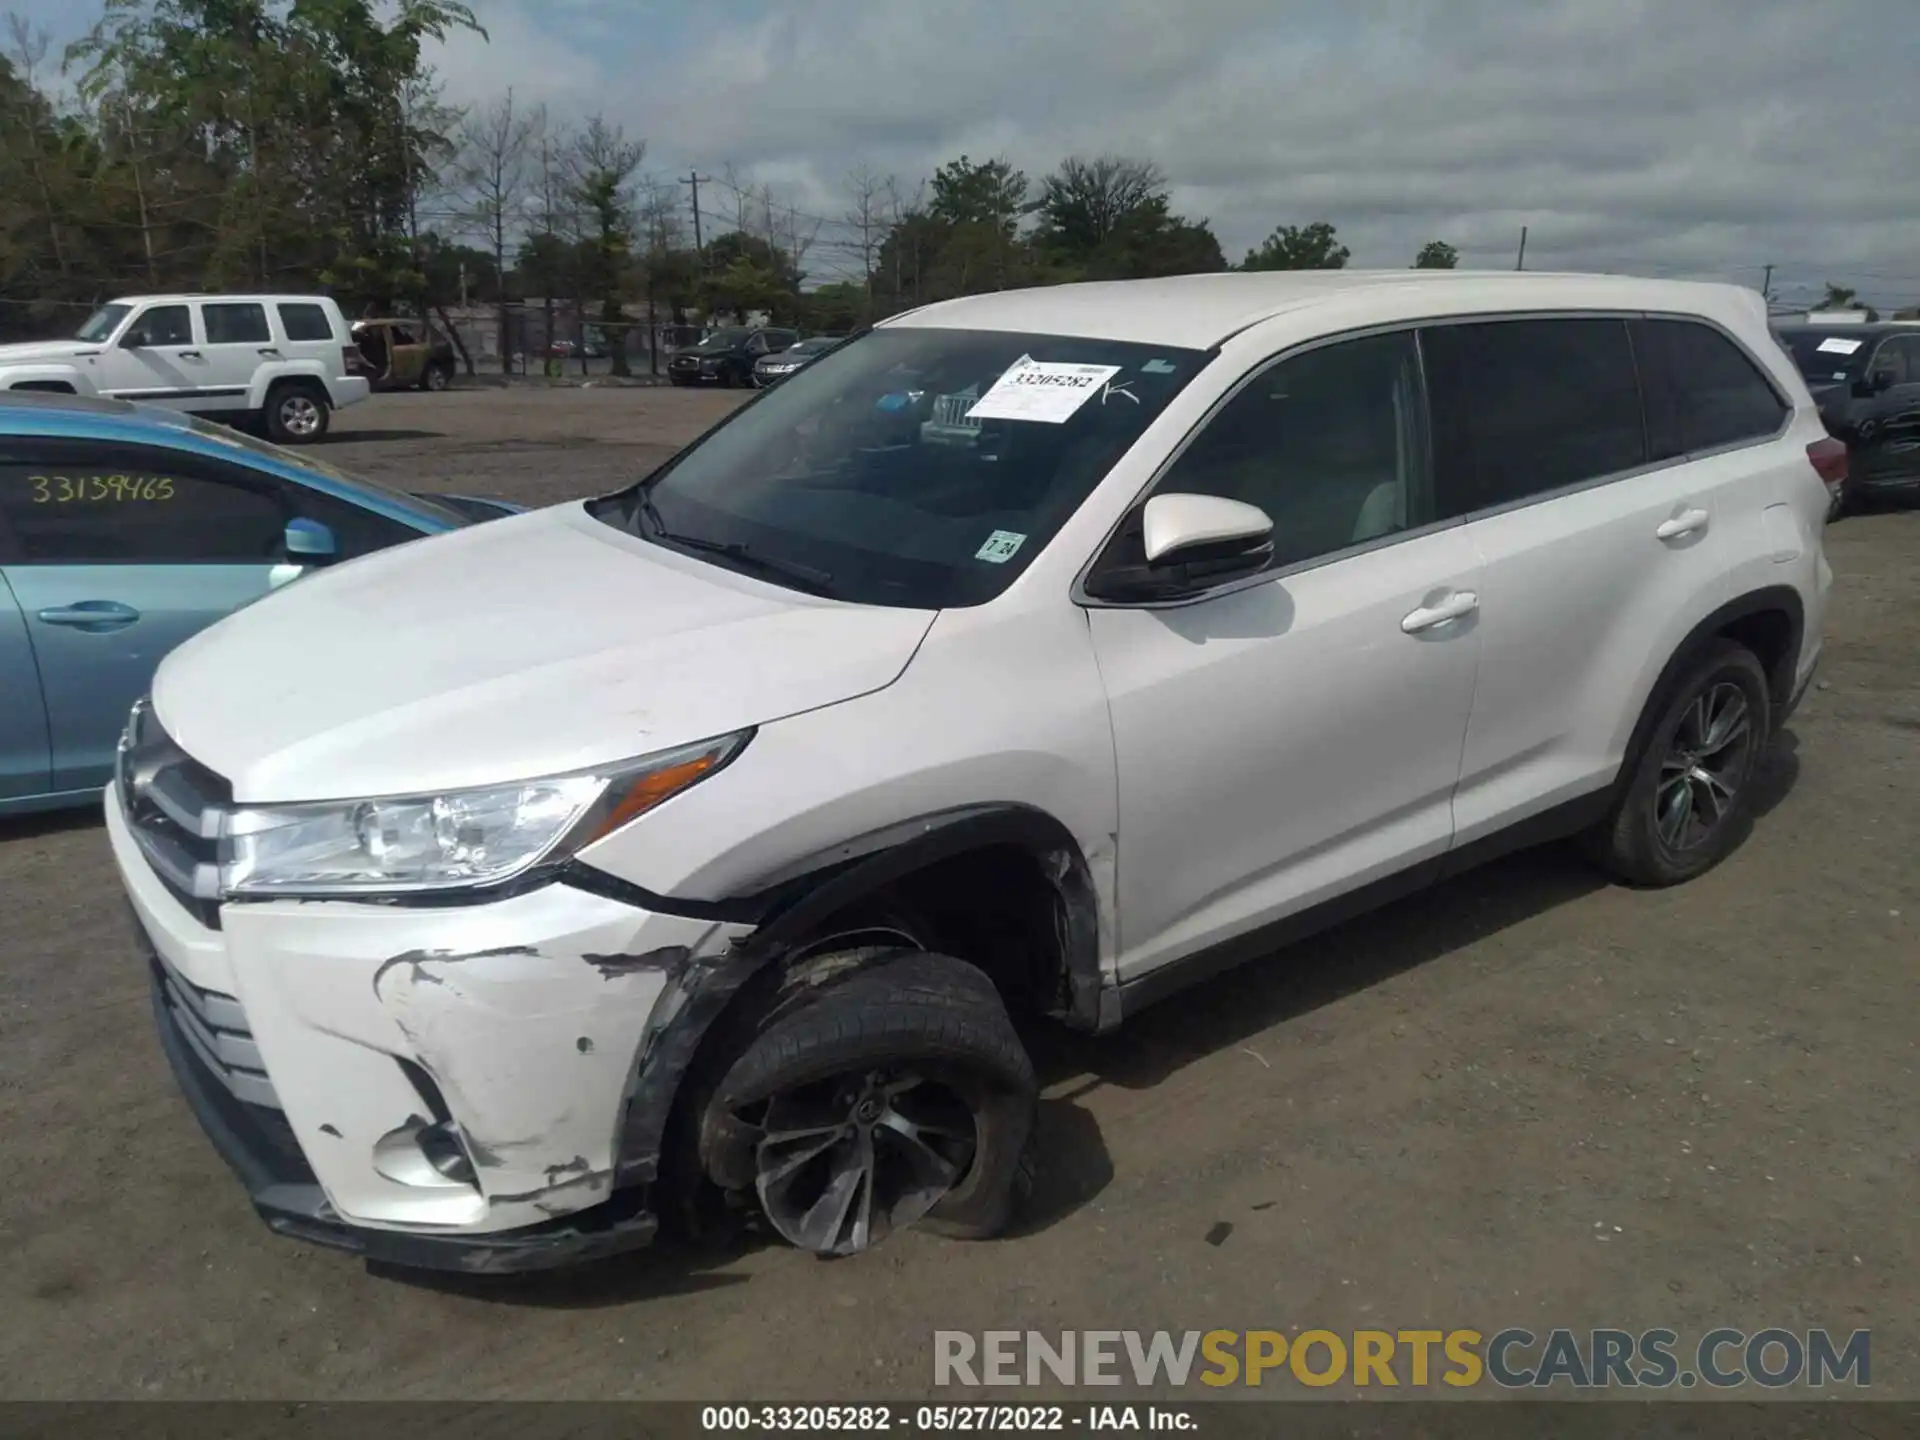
(102, 323)
(894, 472)
(1825, 356)
(724, 340)
(296, 460)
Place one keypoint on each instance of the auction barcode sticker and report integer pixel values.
(1041, 390)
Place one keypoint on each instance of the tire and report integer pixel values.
(908, 1065)
(1655, 835)
(436, 377)
(297, 412)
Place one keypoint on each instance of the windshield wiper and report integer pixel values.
(817, 582)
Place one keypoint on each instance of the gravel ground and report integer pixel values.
(1524, 1098)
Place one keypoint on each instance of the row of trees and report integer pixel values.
(225, 144)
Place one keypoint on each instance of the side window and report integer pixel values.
(305, 322)
(162, 325)
(1331, 444)
(109, 505)
(1892, 357)
(1524, 407)
(356, 531)
(1702, 389)
(236, 323)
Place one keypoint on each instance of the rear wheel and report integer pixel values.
(896, 1095)
(297, 411)
(1688, 799)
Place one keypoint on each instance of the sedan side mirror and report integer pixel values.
(308, 542)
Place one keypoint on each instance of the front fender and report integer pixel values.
(14, 376)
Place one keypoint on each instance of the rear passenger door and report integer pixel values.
(239, 341)
(1597, 520)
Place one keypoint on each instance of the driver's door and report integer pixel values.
(119, 553)
(1889, 432)
(1284, 740)
(156, 359)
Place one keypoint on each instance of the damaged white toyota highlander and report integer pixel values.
(692, 853)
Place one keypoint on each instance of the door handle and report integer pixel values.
(95, 617)
(269, 350)
(1685, 523)
(1430, 617)
(190, 355)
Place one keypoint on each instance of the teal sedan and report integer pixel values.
(124, 529)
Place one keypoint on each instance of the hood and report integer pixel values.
(45, 350)
(534, 645)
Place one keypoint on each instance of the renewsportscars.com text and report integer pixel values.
(1513, 1359)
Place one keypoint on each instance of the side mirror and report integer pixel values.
(1882, 381)
(133, 340)
(308, 542)
(1206, 530)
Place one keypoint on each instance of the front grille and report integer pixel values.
(174, 807)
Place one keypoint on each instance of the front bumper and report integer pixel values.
(445, 1088)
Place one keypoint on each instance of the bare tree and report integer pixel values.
(492, 173)
(866, 218)
(551, 217)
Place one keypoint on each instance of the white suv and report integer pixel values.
(286, 359)
(688, 851)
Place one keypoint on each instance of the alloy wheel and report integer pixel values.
(300, 415)
(1704, 768)
(842, 1163)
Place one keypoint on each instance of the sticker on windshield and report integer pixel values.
(1157, 367)
(1838, 345)
(1001, 546)
(1042, 390)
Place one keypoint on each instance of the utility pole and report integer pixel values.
(1766, 286)
(694, 177)
(1521, 262)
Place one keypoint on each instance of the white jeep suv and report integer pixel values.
(287, 359)
(687, 852)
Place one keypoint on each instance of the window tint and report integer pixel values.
(1703, 391)
(236, 324)
(1892, 357)
(1527, 406)
(355, 531)
(116, 504)
(1331, 444)
(306, 322)
(163, 325)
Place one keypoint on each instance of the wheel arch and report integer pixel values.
(1770, 621)
(802, 902)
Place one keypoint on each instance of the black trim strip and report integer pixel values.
(218, 392)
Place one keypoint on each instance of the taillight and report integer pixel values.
(351, 360)
(1829, 457)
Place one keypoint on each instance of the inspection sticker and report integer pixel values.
(1041, 390)
(1836, 345)
(1000, 547)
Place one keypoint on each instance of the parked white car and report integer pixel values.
(286, 359)
(686, 851)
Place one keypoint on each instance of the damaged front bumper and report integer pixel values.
(451, 1088)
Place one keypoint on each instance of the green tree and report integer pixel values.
(1437, 255)
(1295, 247)
(606, 164)
(1839, 297)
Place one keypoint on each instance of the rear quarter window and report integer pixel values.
(306, 322)
(1703, 390)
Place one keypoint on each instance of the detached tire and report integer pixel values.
(297, 412)
(897, 1095)
(1687, 801)
(436, 377)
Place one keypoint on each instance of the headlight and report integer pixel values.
(464, 839)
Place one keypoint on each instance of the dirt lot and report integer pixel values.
(1522, 1099)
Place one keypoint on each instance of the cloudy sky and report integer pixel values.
(1669, 137)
